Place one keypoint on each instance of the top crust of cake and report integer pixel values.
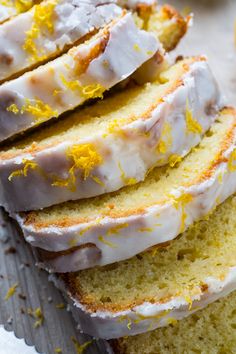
(120, 204)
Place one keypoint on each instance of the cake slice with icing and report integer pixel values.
(112, 143)
(53, 26)
(158, 287)
(211, 330)
(85, 72)
(117, 226)
(48, 29)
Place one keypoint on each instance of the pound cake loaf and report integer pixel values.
(117, 226)
(211, 330)
(159, 286)
(85, 72)
(112, 143)
(47, 29)
(11, 8)
(53, 26)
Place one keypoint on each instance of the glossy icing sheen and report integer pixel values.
(147, 316)
(64, 83)
(135, 4)
(135, 233)
(70, 20)
(131, 160)
(10, 8)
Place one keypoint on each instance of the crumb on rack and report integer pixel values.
(80, 348)
(11, 292)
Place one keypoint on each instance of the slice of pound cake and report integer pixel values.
(160, 286)
(85, 72)
(119, 225)
(211, 330)
(49, 28)
(113, 143)
(53, 26)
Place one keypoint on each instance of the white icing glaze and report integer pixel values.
(199, 89)
(147, 316)
(9, 9)
(71, 20)
(163, 223)
(134, 4)
(46, 84)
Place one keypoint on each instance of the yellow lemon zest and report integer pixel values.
(98, 181)
(97, 221)
(166, 139)
(28, 165)
(129, 323)
(115, 127)
(174, 159)
(83, 157)
(89, 91)
(125, 318)
(19, 5)
(13, 108)
(43, 20)
(189, 301)
(232, 161)
(145, 229)
(136, 47)
(115, 230)
(150, 52)
(80, 348)
(158, 316)
(110, 244)
(11, 291)
(182, 201)
(154, 251)
(192, 125)
(39, 316)
(127, 181)
(171, 321)
(40, 110)
(220, 177)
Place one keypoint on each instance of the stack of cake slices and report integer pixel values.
(120, 167)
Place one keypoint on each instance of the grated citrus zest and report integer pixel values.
(192, 125)
(11, 291)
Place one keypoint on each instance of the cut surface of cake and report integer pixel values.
(83, 73)
(159, 286)
(113, 143)
(211, 330)
(119, 225)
